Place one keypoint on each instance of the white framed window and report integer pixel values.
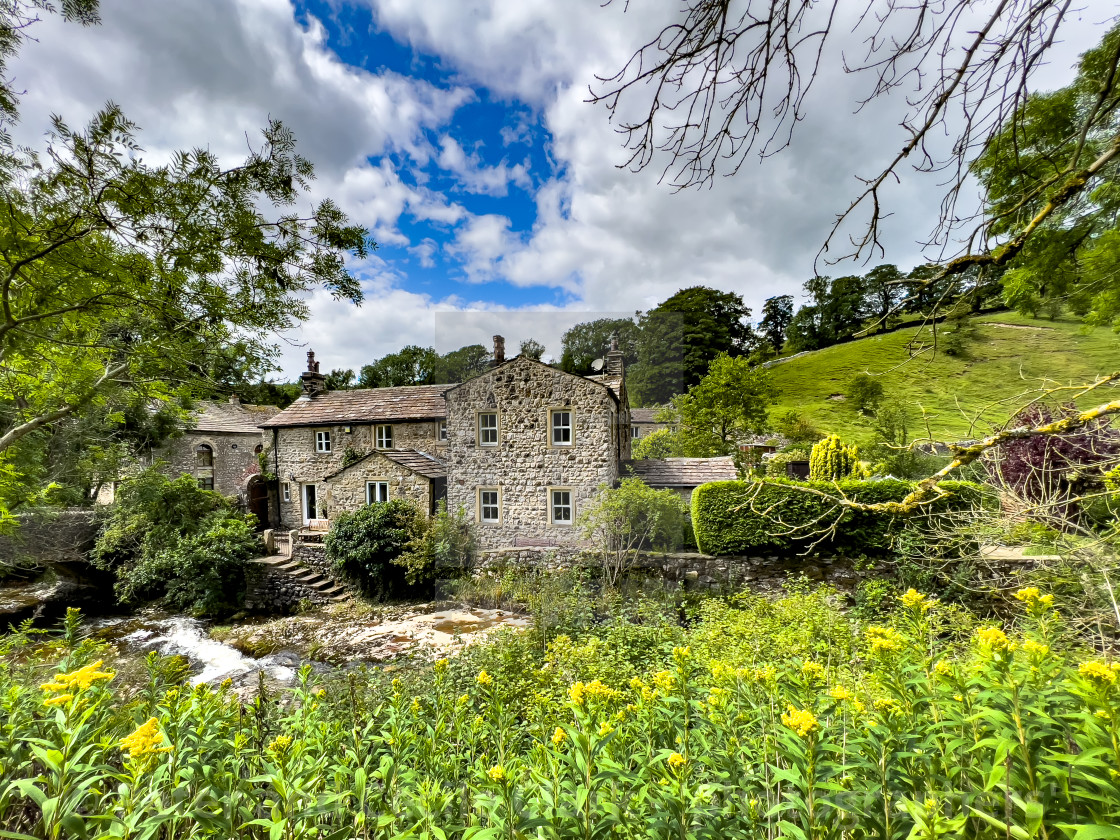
(441, 431)
(377, 491)
(384, 437)
(322, 441)
(287, 490)
(560, 506)
(488, 428)
(489, 504)
(560, 426)
(635, 432)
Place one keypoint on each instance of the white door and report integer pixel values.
(310, 503)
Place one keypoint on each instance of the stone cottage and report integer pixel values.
(221, 449)
(334, 451)
(529, 445)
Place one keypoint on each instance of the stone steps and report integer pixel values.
(308, 578)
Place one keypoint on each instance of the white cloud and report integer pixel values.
(477, 177)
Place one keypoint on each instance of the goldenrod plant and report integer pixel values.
(762, 719)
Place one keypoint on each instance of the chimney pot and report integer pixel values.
(312, 383)
(499, 350)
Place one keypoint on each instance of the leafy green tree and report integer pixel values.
(445, 541)
(340, 380)
(462, 364)
(531, 349)
(658, 444)
(864, 393)
(730, 402)
(169, 540)
(681, 336)
(626, 519)
(797, 428)
(777, 312)
(586, 342)
(411, 365)
(364, 545)
(882, 289)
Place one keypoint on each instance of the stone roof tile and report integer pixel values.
(232, 417)
(682, 472)
(364, 405)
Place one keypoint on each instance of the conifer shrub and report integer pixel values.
(833, 460)
(737, 517)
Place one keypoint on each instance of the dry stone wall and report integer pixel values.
(524, 465)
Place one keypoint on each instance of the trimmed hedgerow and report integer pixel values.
(737, 517)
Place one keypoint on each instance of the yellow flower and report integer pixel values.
(649, 695)
(840, 693)
(801, 721)
(576, 693)
(1036, 648)
(884, 639)
(226, 684)
(943, 668)
(994, 639)
(605, 729)
(484, 679)
(813, 670)
(959, 698)
(764, 674)
(913, 599)
(280, 743)
(1098, 672)
(58, 700)
(680, 654)
(558, 737)
(887, 706)
(497, 773)
(464, 699)
(637, 684)
(144, 740)
(78, 680)
(663, 680)
(718, 697)
(677, 761)
(441, 665)
(415, 707)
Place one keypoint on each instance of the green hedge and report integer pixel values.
(783, 517)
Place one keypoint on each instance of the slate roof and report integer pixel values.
(420, 463)
(682, 472)
(643, 415)
(612, 382)
(232, 418)
(364, 405)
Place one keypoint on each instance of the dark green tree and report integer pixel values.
(586, 342)
(340, 380)
(462, 364)
(882, 289)
(777, 312)
(411, 365)
(531, 349)
(680, 338)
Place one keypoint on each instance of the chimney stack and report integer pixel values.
(499, 350)
(312, 382)
(234, 399)
(613, 359)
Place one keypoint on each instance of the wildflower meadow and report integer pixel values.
(758, 719)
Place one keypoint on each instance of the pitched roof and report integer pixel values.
(365, 405)
(683, 472)
(232, 417)
(420, 463)
(643, 415)
(613, 384)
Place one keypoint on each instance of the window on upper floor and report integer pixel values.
(560, 426)
(322, 441)
(489, 504)
(384, 437)
(488, 428)
(204, 455)
(441, 432)
(377, 491)
(560, 506)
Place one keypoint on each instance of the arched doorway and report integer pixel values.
(258, 500)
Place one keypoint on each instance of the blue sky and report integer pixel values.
(459, 133)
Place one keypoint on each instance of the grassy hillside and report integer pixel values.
(1011, 357)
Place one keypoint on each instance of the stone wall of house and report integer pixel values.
(524, 465)
(297, 462)
(234, 455)
(347, 491)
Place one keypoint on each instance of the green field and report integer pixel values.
(1011, 358)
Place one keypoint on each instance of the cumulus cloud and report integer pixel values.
(475, 176)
